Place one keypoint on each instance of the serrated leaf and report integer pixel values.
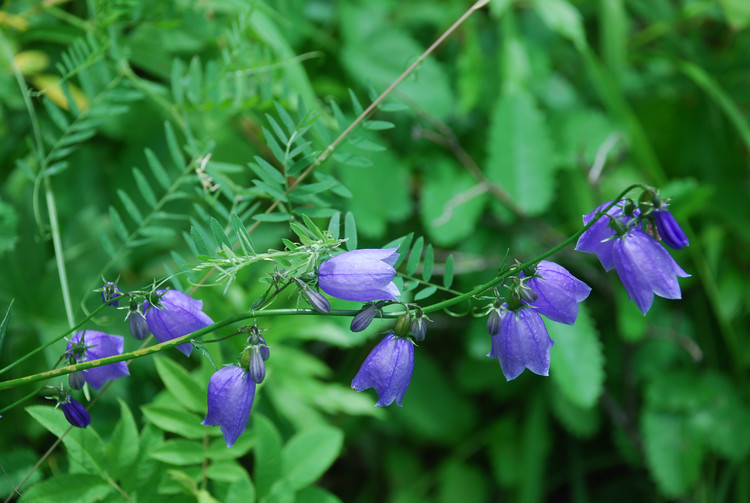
(577, 361)
(415, 256)
(519, 152)
(181, 384)
(428, 263)
(673, 454)
(69, 487)
(350, 231)
(448, 272)
(179, 452)
(144, 187)
(309, 454)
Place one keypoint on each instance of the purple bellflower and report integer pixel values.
(75, 413)
(360, 275)
(598, 238)
(646, 268)
(388, 369)
(92, 345)
(522, 343)
(181, 315)
(231, 391)
(558, 292)
(669, 230)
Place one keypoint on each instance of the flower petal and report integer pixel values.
(231, 392)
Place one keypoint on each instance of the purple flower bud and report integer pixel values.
(231, 391)
(493, 322)
(599, 237)
(522, 343)
(75, 413)
(138, 326)
(76, 380)
(559, 292)
(646, 268)
(388, 369)
(669, 230)
(316, 300)
(110, 293)
(257, 365)
(364, 317)
(419, 328)
(92, 345)
(265, 352)
(360, 275)
(181, 315)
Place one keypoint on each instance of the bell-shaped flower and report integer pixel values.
(646, 268)
(388, 369)
(75, 413)
(92, 345)
(669, 230)
(557, 292)
(523, 343)
(231, 391)
(598, 238)
(360, 275)
(179, 315)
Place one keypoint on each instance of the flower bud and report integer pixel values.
(257, 365)
(76, 380)
(75, 413)
(364, 317)
(110, 293)
(265, 352)
(527, 294)
(316, 300)
(493, 322)
(138, 325)
(402, 326)
(419, 328)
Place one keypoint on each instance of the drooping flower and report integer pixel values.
(388, 368)
(669, 230)
(522, 343)
(231, 391)
(558, 292)
(646, 268)
(75, 413)
(92, 345)
(181, 315)
(360, 275)
(598, 238)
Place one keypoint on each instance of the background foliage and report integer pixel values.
(137, 137)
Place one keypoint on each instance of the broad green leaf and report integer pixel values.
(737, 13)
(241, 489)
(459, 481)
(122, 449)
(78, 487)
(179, 452)
(577, 360)
(218, 450)
(314, 494)
(267, 454)
(535, 446)
(451, 203)
(226, 471)
(519, 152)
(183, 423)
(673, 453)
(562, 17)
(18, 463)
(309, 454)
(579, 421)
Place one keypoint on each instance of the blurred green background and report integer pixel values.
(126, 126)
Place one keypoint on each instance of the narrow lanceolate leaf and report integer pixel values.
(448, 273)
(144, 187)
(350, 231)
(519, 152)
(219, 233)
(428, 263)
(157, 169)
(174, 147)
(130, 206)
(199, 240)
(242, 235)
(117, 223)
(414, 256)
(334, 225)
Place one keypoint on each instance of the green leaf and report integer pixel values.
(242, 234)
(157, 169)
(378, 125)
(448, 273)
(174, 147)
(144, 187)
(4, 325)
(179, 452)
(737, 13)
(563, 18)
(673, 454)
(183, 423)
(272, 217)
(181, 384)
(226, 471)
(459, 481)
(314, 494)
(425, 292)
(267, 454)
(123, 445)
(130, 206)
(350, 231)
(310, 453)
(78, 487)
(577, 361)
(415, 256)
(241, 489)
(117, 223)
(199, 240)
(334, 225)
(519, 152)
(218, 232)
(579, 421)
(428, 263)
